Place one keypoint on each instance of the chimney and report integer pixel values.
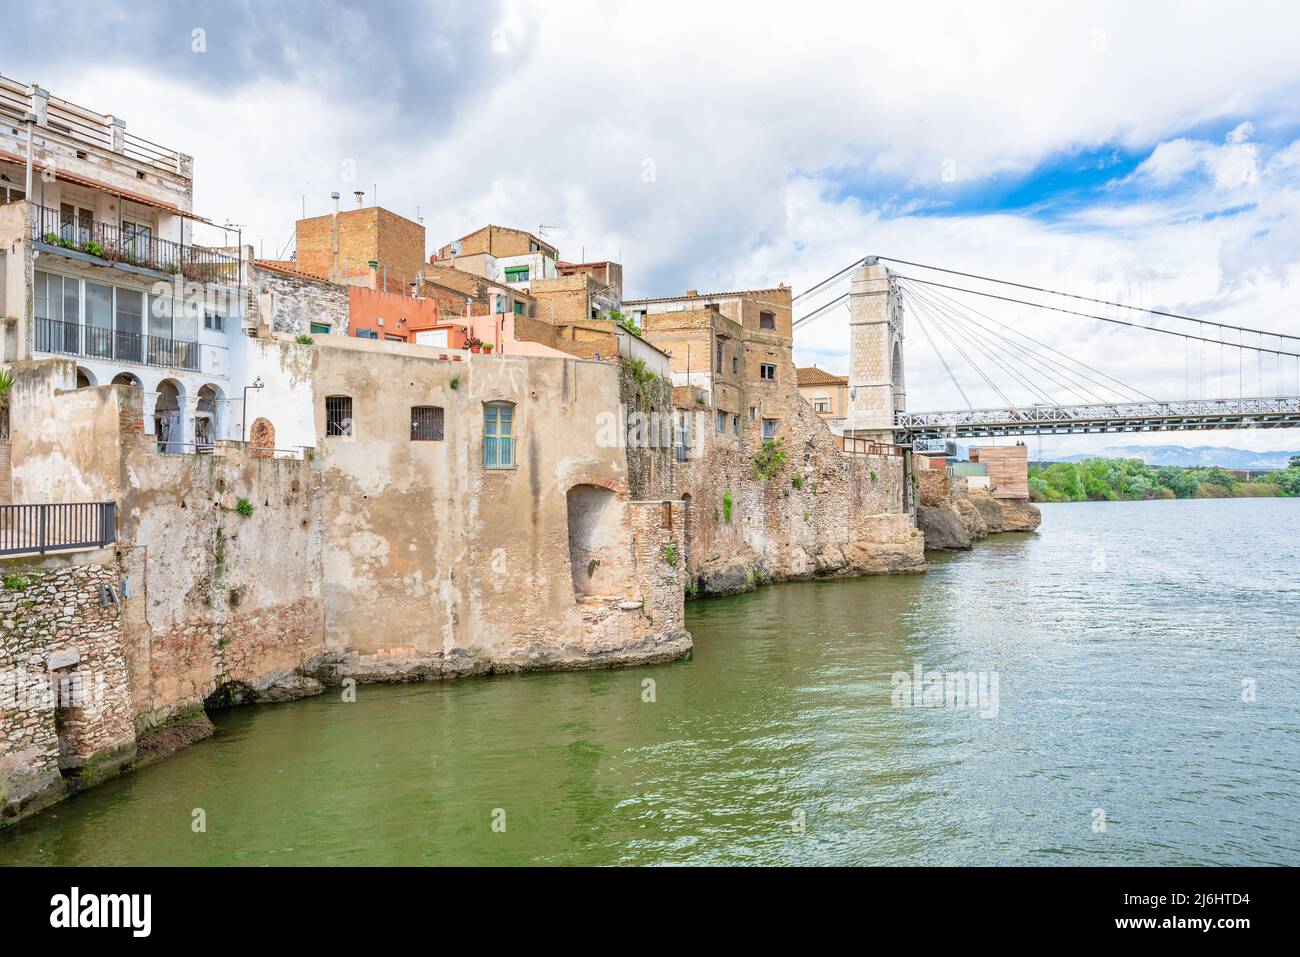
(360, 194)
(374, 274)
(334, 238)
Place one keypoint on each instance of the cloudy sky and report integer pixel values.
(1148, 153)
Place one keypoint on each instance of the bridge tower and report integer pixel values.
(876, 386)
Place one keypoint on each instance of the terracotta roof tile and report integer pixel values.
(811, 375)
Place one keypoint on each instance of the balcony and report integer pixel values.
(94, 342)
(132, 246)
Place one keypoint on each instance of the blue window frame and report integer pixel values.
(498, 435)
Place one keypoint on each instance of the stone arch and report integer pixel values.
(261, 439)
(610, 484)
(85, 378)
(169, 416)
(208, 416)
(128, 378)
(597, 539)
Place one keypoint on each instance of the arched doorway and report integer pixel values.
(207, 418)
(85, 379)
(126, 378)
(168, 420)
(261, 439)
(596, 540)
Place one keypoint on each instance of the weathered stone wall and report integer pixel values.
(290, 302)
(228, 599)
(650, 455)
(823, 513)
(65, 700)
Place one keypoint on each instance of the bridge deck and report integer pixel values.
(1187, 415)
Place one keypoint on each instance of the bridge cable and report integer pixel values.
(1086, 315)
(962, 352)
(1064, 370)
(1038, 393)
(1103, 302)
(1054, 371)
(947, 368)
(818, 312)
(1123, 386)
(829, 279)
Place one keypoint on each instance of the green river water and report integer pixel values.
(1120, 636)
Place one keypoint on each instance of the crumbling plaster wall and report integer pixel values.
(430, 554)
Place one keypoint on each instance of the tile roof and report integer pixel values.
(705, 295)
(811, 375)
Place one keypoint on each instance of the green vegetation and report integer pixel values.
(244, 507)
(592, 566)
(455, 382)
(797, 480)
(16, 582)
(726, 506)
(769, 460)
(303, 340)
(1132, 480)
(670, 553)
(625, 322)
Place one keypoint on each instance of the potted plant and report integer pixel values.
(473, 343)
(487, 347)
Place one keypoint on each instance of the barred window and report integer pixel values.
(338, 415)
(426, 423)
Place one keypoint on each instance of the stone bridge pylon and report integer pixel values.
(877, 389)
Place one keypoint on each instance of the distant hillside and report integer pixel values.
(1200, 455)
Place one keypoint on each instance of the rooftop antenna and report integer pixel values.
(542, 230)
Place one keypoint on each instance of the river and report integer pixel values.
(1123, 638)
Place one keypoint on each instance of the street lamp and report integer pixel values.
(243, 428)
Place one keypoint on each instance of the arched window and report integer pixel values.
(499, 435)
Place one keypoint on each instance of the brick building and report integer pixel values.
(342, 245)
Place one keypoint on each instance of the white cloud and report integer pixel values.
(785, 140)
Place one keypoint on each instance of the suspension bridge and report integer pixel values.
(1040, 389)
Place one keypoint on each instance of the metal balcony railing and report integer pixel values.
(132, 245)
(93, 342)
(56, 528)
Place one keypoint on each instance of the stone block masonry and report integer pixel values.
(65, 697)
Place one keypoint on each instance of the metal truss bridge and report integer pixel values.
(1186, 415)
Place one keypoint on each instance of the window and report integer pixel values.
(130, 325)
(320, 329)
(518, 308)
(767, 371)
(735, 425)
(534, 248)
(721, 421)
(753, 412)
(338, 415)
(766, 320)
(719, 357)
(735, 364)
(367, 334)
(498, 435)
(99, 320)
(426, 423)
(137, 238)
(389, 337)
(769, 428)
(516, 274)
(821, 405)
(216, 323)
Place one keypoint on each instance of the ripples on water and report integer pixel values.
(1120, 635)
